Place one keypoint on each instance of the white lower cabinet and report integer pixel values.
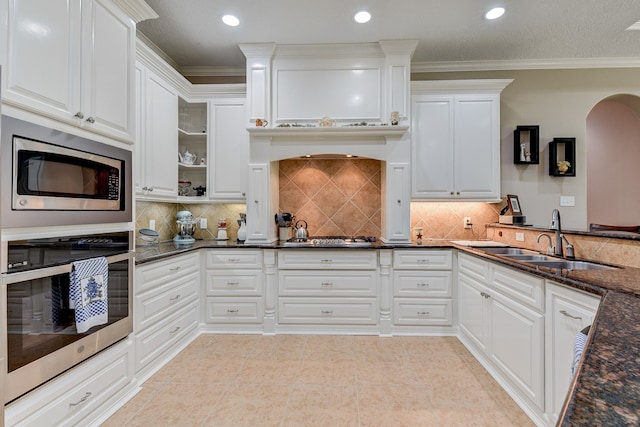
(568, 311)
(422, 288)
(502, 318)
(336, 289)
(233, 290)
(166, 309)
(80, 396)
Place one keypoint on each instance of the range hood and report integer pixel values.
(350, 88)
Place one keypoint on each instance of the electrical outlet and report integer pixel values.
(203, 223)
(520, 237)
(467, 222)
(152, 224)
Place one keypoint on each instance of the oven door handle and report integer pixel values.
(39, 273)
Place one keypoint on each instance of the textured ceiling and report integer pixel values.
(191, 34)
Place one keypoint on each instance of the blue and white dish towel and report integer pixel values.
(88, 292)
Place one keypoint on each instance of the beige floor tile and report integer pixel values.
(250, 405)
(311, 405)
(326, 373)
(179, 405)
(132, 407)
(394, 405)
(309, 380)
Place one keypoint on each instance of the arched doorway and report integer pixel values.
(613, 161)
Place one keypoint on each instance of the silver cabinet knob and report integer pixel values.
(91, 120)
(79, 115)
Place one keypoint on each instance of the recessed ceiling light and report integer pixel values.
(362, 17)
(494, 13)
(231, 20)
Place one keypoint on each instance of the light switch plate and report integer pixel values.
(567, 201)
(520, 237)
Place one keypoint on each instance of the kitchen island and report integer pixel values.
(606, 389)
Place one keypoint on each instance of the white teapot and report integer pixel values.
(187, 158)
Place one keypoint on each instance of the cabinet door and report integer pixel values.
(138, 147)
(396, 227)
(567, 312)
(517, 345)
(477, 143)
(432, 146)
(229, 150)
(108, 58)
(41, 58)
(160, 146)
(474, 311)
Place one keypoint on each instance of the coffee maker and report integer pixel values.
(186, 225)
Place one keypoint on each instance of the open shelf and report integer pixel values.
(562, 149)
(526, 138)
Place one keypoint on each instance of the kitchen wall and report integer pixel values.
(165, 216)
(559, 101)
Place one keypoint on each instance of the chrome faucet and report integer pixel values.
(557, 227)
(550, 247)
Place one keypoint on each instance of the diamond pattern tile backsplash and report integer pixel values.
(334, 196)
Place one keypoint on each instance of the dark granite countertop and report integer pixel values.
(606, 389)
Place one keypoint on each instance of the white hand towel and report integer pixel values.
(88, 292)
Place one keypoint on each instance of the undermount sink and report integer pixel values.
(537, 259)
(507, 251)
(571, 265)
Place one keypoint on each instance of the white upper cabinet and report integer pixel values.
(73, 61)
(156, 175)
(229, 146)
(455, 140)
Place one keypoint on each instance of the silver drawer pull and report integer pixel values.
(327, 312)
(423, 313)
(84, 398)
(423, 260)
(175, 268)
(177, 297)
(233, 283)
(326, 260)
(233, 310)
(564, 312)
(326, 284)
(233, 259)
(422, 285)
(175, 330)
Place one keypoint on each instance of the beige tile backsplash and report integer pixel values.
(345, 199)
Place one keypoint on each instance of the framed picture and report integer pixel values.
(514, 204)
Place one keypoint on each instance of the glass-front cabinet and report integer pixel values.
(192, 150)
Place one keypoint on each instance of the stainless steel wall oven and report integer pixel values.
(42, 334)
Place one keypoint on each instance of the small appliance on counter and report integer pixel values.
(284, 221)
(242, 231)
(148, 237)
(222, 229)
(186, 228)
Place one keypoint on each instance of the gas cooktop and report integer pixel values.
(331, 242)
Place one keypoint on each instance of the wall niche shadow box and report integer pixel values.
(526, 145)
(562, 157)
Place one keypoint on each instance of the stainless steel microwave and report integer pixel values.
(51, 178)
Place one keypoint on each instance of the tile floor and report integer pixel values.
(314, 380)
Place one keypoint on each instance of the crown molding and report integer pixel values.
(206, 71)
(533, 64)
(138, 10)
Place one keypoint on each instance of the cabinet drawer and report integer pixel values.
(327, 259)
(149, 276)
(522, 287)
(234, 310)
(422, 259)
(234, 258)
(422, 283)
(154, 341)
(327, 283)
(474, 267)
(333, 311)
(70, 398)
(422, 312)
(237, 282)
(155, 305)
